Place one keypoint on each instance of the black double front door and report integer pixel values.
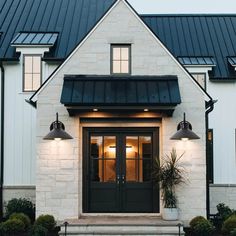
(118, 166)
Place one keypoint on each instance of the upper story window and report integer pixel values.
(120, 59)
(200, 78)
(32, 73)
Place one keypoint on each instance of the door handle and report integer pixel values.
(118, 179)
(123, 179)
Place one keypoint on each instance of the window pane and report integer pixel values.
(28, 64)
(96, 147)
(124, 67)
(116, 53)
(36, 64)
(109, 147)
(116, 67)
(109, 170)
(28, 82)
(96, 170)
(36, 81)
(125, 53)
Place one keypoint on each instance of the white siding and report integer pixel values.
(20, 120)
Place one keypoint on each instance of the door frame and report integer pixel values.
(85, 161)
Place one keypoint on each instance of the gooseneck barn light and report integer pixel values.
(184, 131)
(57, 131)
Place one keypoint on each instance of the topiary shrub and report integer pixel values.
(21, 205)
(47, 221)
(196, 221)
(12, 226)
(24, 218)
(201, 226)
(229, 224)
(38, 230)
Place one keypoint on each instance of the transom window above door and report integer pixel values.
(32, 73)
(120, 59)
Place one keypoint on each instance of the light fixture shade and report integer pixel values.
(184, 131)
(57, 131)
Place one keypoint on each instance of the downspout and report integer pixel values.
(2, 139)
(209, 108)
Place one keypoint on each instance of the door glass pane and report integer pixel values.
(110, 147)
(109, 170)
(96, 170)
(132, 165)
(145, 152)
(103, 158)
(96, 146)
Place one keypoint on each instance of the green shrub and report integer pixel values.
(196, 220)
(12, 226)
(233, 232)
(24, 218)
(47, 221)
(224, 211)
(20, 205)
(201, 226)
(38, 230)
(229, 224)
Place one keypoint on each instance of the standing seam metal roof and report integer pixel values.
(184, 35)
(198, 36)
(72, 19)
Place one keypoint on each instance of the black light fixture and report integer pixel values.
(57, 131)
(184, 131)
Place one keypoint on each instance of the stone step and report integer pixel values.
(122, 226)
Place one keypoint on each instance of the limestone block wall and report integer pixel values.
(59, 164)
(222, 193)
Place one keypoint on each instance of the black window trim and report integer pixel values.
(23, 72)
(120, 45)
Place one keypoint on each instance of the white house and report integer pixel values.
(120, 83)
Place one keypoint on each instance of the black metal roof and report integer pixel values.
(72, 19)
(129, 91)
(232, 61)
(198, 36)
(35, 38)
(184, 35)
(197, 61)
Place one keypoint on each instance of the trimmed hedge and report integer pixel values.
(229, 225)
(47, 221)
(22, 217)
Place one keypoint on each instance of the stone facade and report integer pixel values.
(10, 192)
(59, 164)
(222, 193)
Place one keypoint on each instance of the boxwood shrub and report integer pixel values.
(229, 224)
(47, 221)
(24, 218)
(12, 226)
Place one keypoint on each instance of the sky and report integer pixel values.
(183, 6)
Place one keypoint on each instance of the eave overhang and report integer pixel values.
(124, 95)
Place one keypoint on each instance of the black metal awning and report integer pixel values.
(131, 93)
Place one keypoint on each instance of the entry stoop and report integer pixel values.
(120, 226)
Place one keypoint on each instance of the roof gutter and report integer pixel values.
(2, 138)
(209, 109)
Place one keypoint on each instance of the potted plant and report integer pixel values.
(168, 174)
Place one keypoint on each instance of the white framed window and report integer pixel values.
(120, 59)
(32, 73)
(200, 78)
